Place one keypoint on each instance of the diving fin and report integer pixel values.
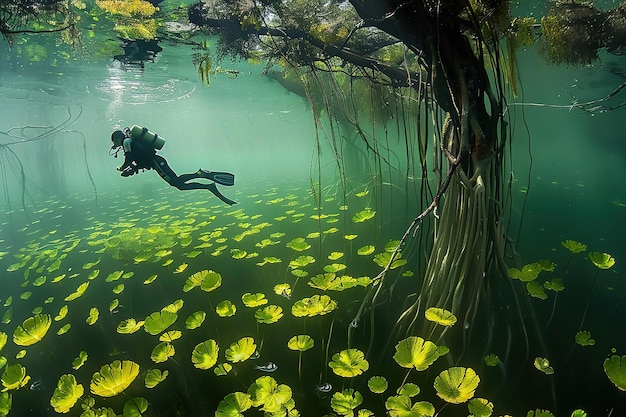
(222, 178)
(211, 187)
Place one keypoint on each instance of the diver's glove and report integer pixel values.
(129, 170)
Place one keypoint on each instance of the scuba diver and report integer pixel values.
(140, 147)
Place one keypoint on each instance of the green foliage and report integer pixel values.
(233, 405)
(344, 402)
(113, 378)
(266, 392)
(543, 365)
(158, 321)
(583, 338)
(349, 363)
(615, 369)
(32, 330)
(417, 352)
(65, 395)
(456, 385)
(601, 260)
(377, 384)
(14, 377)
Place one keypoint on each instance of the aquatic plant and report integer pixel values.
(456, 385)
(66, 394)
(615, 369)
(113, 378)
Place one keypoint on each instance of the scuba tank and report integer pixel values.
(145, 136)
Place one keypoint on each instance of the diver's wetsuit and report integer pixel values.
(140, 156)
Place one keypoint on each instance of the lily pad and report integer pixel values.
(300, 343)
(135, 407)
(574, 246)
(93, 316)
(377, 384)
(162, 352)
(615, 369)
(80, 360)
(365, 250)
(195, 320)
(400, 406)
(253, 300)
(583, 338)
(269, 314)
(349, 363)
(301, 261)
(363, 215)
(456, 385)
(226, 309)
(14, 377)
(298, 244)
(267, 392)
(409, 389)
(158, 321)
(440, 316)
(241, 350)
(417, 352)
(154, 377)
(344, 402)
(204, 355)
(543, 365)
(313, 306)
(65, 395)
(129, 326)
(601, 260)
(233, 405)
(32, 330)
(113, 378)
(492, 360)
(480, 407)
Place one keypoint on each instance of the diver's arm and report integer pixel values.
(128, 154)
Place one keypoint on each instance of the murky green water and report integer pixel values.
(79, 241)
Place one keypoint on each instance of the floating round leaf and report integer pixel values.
(539, 413)
(400, 406)
(253, 300)
(233, 405)
(298, 244)
(162, 352)
(222, 369)
(300, 342)
(62, 313)
(14, 377)
(492, 359)
(241, 350)
(313, 306)
(65, 395)
(579, 413)
(378, 384)
(6, 402)
(135, 407)
(129, 326)
(457, 384)
(32, 330)
(480, 407)
(344, 402)
(543, 365)
(225, 309)
(601, 260)
(174, 307)
(211, 281)
(583, 338)
(158, 321)
(93, 316)
(417, 352)
(349, 363)
(409, 389)
(195, 320)
(195, 280)
(204, 355)
(573, 246)
(363, 215)
(66, 328)
(154, 377)
(440, 316)
(3, 340)
(615, 369)
(170, 336)
(366, 250)
(113, 378)
(301, 261)
(269, 314)
(80, 360)
(267, 392)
